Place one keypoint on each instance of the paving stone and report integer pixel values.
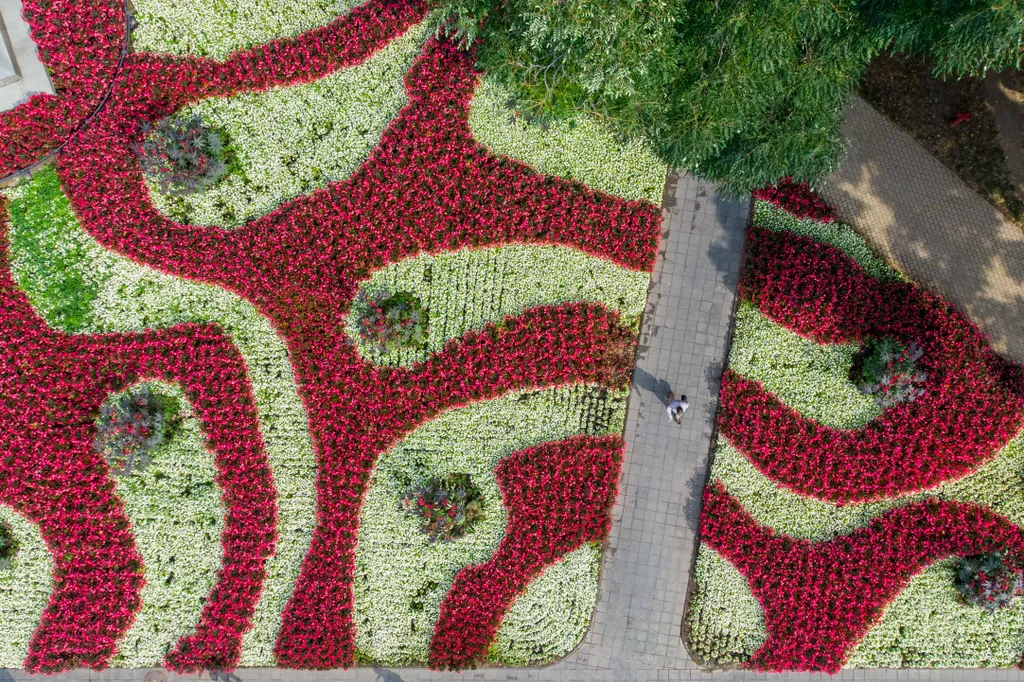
(916, 213)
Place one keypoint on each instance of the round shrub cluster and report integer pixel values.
(989, 581)
(888, 370)
(129, 429)
(447, 507)
(8, 544)
(391, 321)
(181, 155)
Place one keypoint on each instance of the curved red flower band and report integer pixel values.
(428, 186)
(558, 497)
(80, 42)
(797, 199)
(971, 409)
(821, 598)
(53, 386)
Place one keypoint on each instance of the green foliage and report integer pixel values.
(741, 92)
(131, 426)
(8, 544)
(962, 37)
(760, 89)
(989, 581)
(570, 55)
(44, 259)
(391, 321)
(181, 155)
(447, 507)
(888, 370)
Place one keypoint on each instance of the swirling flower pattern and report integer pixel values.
(427, 187)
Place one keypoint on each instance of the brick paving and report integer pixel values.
(635, 633)
(919, 215)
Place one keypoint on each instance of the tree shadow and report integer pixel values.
(916, 214)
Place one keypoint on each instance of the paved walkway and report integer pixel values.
(923, 218)
(21, 72)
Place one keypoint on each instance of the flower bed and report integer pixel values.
(248, 539)
(869, 506)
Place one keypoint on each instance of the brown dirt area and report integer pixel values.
(904, 90)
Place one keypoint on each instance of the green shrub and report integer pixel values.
(989, 581)
(181, 155)
(391, 321)
(888, 370)
(8, 544)
(130, 428)
(447, 507)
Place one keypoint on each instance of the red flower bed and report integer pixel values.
(427, 187)
(971, 409)
(52, 388)
(821, 598)
(80, 42)
(558, 497)
(798, 199)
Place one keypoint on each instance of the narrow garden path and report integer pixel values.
(919, 215)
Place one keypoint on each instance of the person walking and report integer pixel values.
(677, 407)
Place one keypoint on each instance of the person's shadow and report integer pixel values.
(221, 676)
(387, 675)
(647, 382)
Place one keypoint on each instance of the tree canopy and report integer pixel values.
(741, 92)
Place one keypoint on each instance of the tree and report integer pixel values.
(741, 92)
(962, 37)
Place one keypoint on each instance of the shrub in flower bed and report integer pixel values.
(888, 370)
(426, 187)
(834, 528)
(8, 545)
(131, 426)
(989, 581)
(181, 156)
(447, 508)
(390, 321)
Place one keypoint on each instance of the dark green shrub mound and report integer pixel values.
(181, 156)
(888, 370)
(8, 545)
(446, 507)
(989, 581)
(392, 321)
(130, 428)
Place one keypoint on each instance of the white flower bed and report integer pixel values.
(216, 29)
(402, 577)
(504, 281)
